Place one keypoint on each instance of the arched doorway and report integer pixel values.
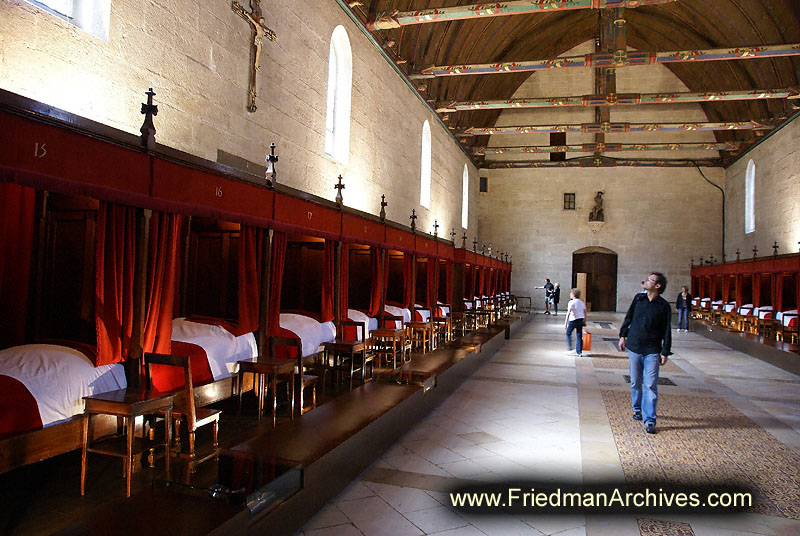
(594, 270)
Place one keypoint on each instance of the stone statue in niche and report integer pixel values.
(597, 213)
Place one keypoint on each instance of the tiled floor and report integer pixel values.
(535, 413)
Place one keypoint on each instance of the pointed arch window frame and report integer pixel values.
(339, 96)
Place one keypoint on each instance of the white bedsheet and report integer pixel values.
(784, 317)
(761, 312)
(59, 377)
(222, 348)
(357, 316)
(425, 314)
(729, 307)
(746, 309)
(445, 309)
(397, 311)
(312, 333)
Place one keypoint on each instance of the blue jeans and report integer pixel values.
(644, 384)
(683, 318)
(576, 324)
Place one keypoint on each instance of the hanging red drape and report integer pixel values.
(408, 291)
(739, 289)
(777, 303)
(327, 310)
(344, 282)
(277, 262)
(481, 281)
(251, 247)
(376, 282)
(116, 246)
(162, 268)
(726, 288)
(16, 254)
(431, 294)
(469, 286)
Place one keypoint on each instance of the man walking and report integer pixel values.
(548, 295)
(645, 333)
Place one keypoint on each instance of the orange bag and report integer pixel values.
(587, 341)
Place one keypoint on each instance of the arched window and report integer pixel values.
(465, 198)
(91, 16)
(750, 198)
(425, 167)
(340, 82)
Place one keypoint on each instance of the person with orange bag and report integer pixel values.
(575, 320)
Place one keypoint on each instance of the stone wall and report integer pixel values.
(195, 54)
(777, 196)
(655, 218)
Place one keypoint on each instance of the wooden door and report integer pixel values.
(601, 278)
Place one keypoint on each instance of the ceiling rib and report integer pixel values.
(629, 59)
(609, 148)
(398, 19)
(591, 162)
(621, 99)
(592, 128)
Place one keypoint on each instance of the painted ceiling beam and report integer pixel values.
(609, 148)
(621, 99)
(616, 60)
(600, 162)
(594, 128)
(395, 19)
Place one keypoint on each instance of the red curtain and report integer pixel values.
(376, 282)
(344, 282)
(726, 288)
(277, 263)
(756, 290)
(16, 254)
(481, 281)
(408, 290)
(116, 246)
(468, 285)
(739, 290)
(777, 304)
(327, 310)
(251, 247)
(162, 268)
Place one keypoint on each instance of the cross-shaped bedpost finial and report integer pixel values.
(483, 248)
(691, 262)
(384, 204)
(435, 227)
(464, 241)
(339, 187)
(413, 219)
(711, 258)
(271, 175)
(453, 235)
(475, 244)
(755, 251)
(489, 249)
(148, 129)
(258, 31)
(775, 248)
(738, 254)
(701, 261)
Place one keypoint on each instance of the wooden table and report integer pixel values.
(395, 337)
(341, 346)
(425, 329)
(271, 368)
(128, 404)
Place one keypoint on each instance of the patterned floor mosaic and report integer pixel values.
(621, 363)
(704, 441)
(657, 527)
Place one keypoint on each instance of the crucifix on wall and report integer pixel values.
(258, 31)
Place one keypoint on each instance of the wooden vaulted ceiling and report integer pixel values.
(670, 26)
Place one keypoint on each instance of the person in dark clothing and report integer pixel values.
(548, 295)
(556, 298)
(646, 334)
(684, 306)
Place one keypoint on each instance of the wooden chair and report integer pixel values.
(185, 409)
(357, 357)
(305, 380)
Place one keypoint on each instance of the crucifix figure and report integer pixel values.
(435, 227)
(339, 187)
(258, 31)
(384, 204)
(413, 219)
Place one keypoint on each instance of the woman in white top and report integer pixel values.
(576, 319)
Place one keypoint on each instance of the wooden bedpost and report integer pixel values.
(185, 267)
(133, 365)
(382, 312)
(413, 284)
(263, 329)
(337, 284)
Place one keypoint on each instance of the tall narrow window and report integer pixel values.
(750, 198)
(91, 16)
(340, 81)
(425, 167)
(465, 198)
